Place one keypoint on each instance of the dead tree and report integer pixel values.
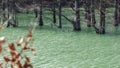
(76, 21)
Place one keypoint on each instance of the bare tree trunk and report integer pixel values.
(119, 11)
(116, 16)
(5, 12)
(59, 14)
(15, 19)
(14, 14)
(41, 14)
(8, 12)
(3, 8)
(93, 21)
(77, 18)
(54, 12)
(35, 8)
(88, 12)
(102, 17)
(35, 12)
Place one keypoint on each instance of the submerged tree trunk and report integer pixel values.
(35, 8)
(88, 12)
(15, 24)
(93, 21)
(59, 14)
(102, 17)
(35, 12)
(76, 24)
(41, 14)
(119, 11)
(116, 16)
(8, 12)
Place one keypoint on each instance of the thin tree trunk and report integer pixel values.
(88, 12)
(54, 13)
(116, 16)
(119, 11)
(93, 21)
(59, 14)
(35, 12)
(77, 18)
(3, 8)
(35, 8)
(41, 14)
(102, 17)
(14, 15)
(8, 12)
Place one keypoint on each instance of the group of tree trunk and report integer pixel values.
(9, 12)
(9, 7)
